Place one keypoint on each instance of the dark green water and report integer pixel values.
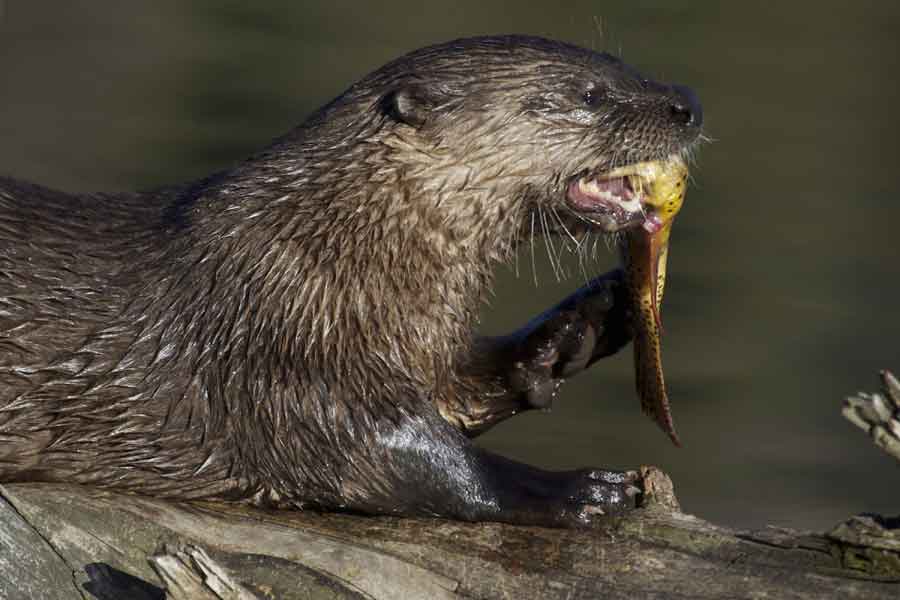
(783, 286)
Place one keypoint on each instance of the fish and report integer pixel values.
(645, 251)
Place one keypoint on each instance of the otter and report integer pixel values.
(297, 331)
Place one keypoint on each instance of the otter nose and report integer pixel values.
(685, 107)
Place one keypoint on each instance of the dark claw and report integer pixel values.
(590, 498)
(614, 476)
(578, 351)
(543, 393)
(528, 495)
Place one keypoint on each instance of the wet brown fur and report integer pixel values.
(290, 331)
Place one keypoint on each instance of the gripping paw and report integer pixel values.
(588, 493)
(586, 326)
(526, 495)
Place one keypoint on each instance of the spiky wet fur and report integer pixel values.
(276, 332)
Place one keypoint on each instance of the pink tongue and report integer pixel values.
(652, 224)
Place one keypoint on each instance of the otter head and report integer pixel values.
(430, 169)
(494, 128)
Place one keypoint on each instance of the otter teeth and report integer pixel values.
(613, 193)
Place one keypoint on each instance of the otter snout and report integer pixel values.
(685, 108)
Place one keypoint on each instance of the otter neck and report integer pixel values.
(363, 266)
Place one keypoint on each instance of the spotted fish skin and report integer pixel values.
(645, 252)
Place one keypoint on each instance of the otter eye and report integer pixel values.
(591, 97)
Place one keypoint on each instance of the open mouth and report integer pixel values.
(614, 200)
(650, 194)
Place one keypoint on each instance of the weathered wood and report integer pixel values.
(878, 414)
(189, 573)
(29, 567)
(90, 541)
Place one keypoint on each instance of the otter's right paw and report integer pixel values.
(586, 326)
(530, 496)
(585, 494)
(561, 345)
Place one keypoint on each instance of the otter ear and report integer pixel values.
(409, 104)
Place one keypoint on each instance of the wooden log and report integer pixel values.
(69, 540)
(878, 414)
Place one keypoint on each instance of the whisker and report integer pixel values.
(575, 246)
(533, 265)
(562, 225)
(512, 246)
(582, 263)
(583, 257)
(548, 243)
(515, 251)
(612, 240)
(563, 274)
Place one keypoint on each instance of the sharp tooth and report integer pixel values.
(637, 184)
(632, 205)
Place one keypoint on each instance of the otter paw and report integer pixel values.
(556, 349)
(589, 493)
(526, 495)
(587, 326)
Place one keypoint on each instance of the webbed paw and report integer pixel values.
(589, 493)
(590, 324)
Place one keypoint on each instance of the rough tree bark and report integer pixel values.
(60, 541)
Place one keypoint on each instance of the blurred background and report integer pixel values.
(783, 284)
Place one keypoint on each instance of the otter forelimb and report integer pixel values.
(506, 375)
